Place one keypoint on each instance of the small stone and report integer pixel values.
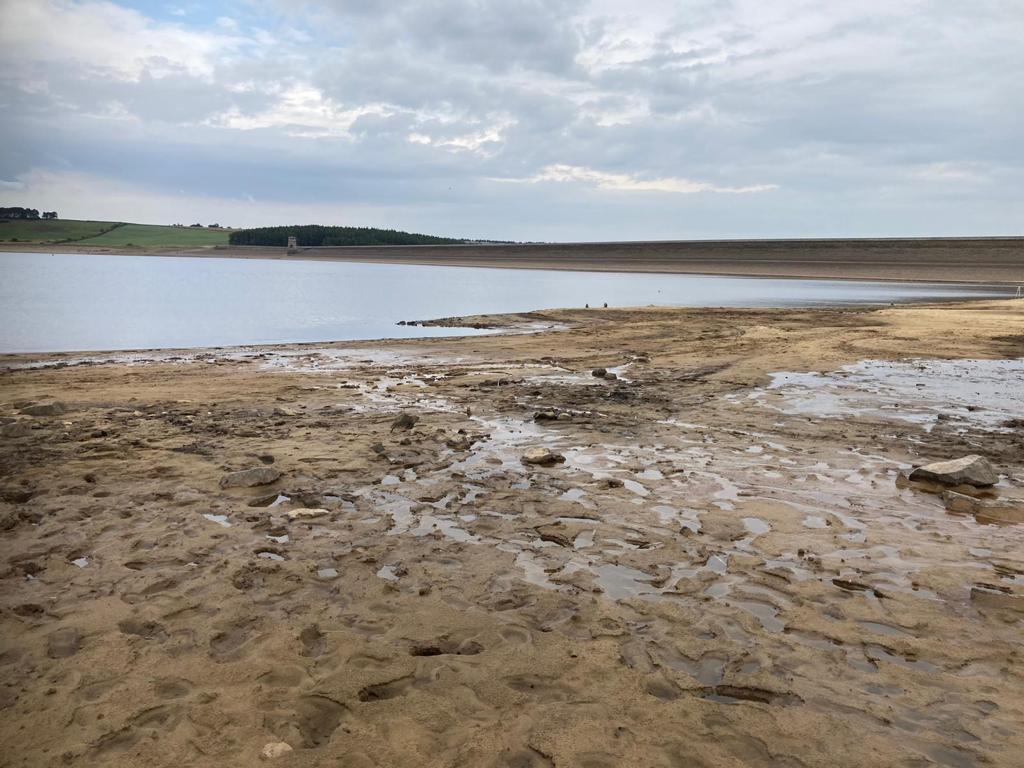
(304, 514)
(559, 533)
(274, 750)
(968, 470)
(599, 373)
(264, 501)
(610, 376)
(405, 421)
(247, 478)
(542, 457)
(460, 443)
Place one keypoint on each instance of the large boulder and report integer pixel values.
(248, 478)
(968, 470)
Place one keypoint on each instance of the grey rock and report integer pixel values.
(986, 510)
(967, 470)
(16, 429)
(542, 457)
(405, 421)
(56, 408)
(247, 478)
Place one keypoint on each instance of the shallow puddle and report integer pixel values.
(983, 393)
(221, 520)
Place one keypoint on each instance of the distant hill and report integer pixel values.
(312, 235)
(107, 233)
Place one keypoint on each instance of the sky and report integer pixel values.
(567, 120)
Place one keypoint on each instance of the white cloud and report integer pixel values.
(302, 111)
(482, 141)
(118, 41)
(624, 182)
(950, 172)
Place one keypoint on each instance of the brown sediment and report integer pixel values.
(980, 260)
(722, 572)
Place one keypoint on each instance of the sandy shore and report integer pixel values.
(719, 573)
(962, 260)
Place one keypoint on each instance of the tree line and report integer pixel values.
(17, 212)
(316, 235)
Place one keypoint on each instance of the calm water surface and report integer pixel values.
(80, 302)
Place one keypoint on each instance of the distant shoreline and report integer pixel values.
(978, 260)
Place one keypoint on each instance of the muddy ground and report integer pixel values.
(724, 570)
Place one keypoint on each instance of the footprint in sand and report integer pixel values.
(313, 641)
(312, 722)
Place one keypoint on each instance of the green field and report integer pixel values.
(107, 233)
(152, 235)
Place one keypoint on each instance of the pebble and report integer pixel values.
(275, 749)
(296, 514)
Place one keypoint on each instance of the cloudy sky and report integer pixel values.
(521, 119)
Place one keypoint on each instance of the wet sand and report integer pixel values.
(961, 260)
(725, 570)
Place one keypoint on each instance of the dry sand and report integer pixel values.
(718, 574)
(963, 260)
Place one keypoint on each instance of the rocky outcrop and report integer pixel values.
(986, 510)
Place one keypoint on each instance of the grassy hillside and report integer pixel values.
(151, 235)
(107, 233)
(50, 231)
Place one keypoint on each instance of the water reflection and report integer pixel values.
(66, 302)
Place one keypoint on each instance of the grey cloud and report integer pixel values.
(920, 105)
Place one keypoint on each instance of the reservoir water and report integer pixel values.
(85, 302)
